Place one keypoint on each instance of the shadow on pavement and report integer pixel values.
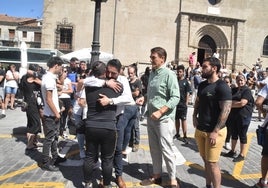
(227, 179)
(141, 171)
(191, 143)
(20, 134)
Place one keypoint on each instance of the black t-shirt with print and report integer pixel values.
(184, 90)
(210, 94)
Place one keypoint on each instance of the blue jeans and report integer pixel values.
(124, 126)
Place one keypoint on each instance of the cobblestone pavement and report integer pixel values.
(20, 169)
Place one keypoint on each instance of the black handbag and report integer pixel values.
(261, 134)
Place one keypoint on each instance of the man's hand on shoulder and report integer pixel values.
(113, 84)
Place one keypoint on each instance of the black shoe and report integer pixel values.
(2, 116)
(185, 140)
(59, 160)
(230, 154)
(176, 136)
(50, 167)
(239, 158)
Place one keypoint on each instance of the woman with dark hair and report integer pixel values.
(100, 128)
(30, 85)
(240, 117)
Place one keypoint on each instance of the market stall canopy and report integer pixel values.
(85, 55)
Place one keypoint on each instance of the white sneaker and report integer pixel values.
(227, 146)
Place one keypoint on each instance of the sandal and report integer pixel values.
(151, 181)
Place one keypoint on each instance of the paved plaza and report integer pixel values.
(20, 169)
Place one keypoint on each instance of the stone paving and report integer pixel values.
(20, 169)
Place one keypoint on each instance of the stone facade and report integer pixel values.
(129, 29)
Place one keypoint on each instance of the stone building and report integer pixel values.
(14, 30)
(238, 30)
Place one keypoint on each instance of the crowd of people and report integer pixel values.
(101, 102)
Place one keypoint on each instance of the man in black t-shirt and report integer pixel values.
(211, 110)
(2, 91)
(181, 110)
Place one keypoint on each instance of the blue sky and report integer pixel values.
(22, 8)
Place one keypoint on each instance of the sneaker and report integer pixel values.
(176, 136)
(239, 158)
(59, 160)
(260, 184)
(64, 136)
(88, 185)
(227, 146)
(49, 167)
(38, 144)
(230, 154)
(135, 148)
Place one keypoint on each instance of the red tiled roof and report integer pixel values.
(6, 18)
(19, 20)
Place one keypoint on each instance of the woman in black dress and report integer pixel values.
(30, 86)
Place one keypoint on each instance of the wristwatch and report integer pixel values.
(111, 102)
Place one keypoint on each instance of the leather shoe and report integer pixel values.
(120, 182)
(50, 168)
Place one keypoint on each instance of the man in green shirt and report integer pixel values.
(163, 96)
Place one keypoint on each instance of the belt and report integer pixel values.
(51, 117)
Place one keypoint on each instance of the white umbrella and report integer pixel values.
(23, 59)
(85, 54)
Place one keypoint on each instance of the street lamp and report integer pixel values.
(95, 52)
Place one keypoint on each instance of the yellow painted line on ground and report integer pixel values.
(6, 136)
(34, 185)
(194, 165)
(144, 136)
(239, 166)
(17, 172)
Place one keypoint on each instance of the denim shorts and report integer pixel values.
(11, 90)
(2, 93)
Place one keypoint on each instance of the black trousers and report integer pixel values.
(51, 131)
(103, 140)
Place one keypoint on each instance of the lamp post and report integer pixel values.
(95, 52)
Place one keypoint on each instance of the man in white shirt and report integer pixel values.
(51, 115)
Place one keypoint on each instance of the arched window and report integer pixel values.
(265, 46)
